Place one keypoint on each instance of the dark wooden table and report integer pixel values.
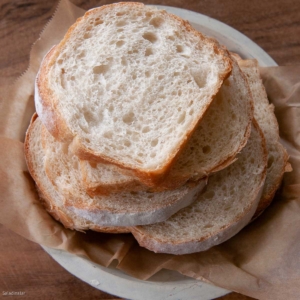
(24, 266)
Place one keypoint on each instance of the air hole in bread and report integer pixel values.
(134, 51)
(181, 118)
(92, 119)
(206, 149)
(147, 73)
(87, 35)
(156, 22)
(154, 142)
(128, 118)
(227, 208)
(207, 226)
(98, 21)
(148, 52)
(108, 134)
(120, 43)
(150, 36)
(160, 77)
(62, 79)
(200, 79)
(120, 13)
(72, 78)
(133, 76)
(127, 143)
(152, 155)
(111, 108)
(149, 14)
(60, 61)
(123, 61)
(146, 129)
(121, 23)
(179, 48)
(102, 69)
(171, 37)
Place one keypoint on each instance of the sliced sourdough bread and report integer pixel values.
(222, 210)
(122, 209)
(121, 71)
(264, 114)
(222, 133)
(53, 201)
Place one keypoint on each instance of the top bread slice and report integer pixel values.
(264, 114)
(222, 210)
(128, 85)
(122, 209)
(51, 199)
(223, 132)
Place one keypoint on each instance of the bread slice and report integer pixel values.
(106, 179)
(222, 210)
(122, 71)
(53, 201)
(122, 209)
(264, 114)
(222, 133)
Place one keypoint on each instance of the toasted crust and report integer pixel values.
(179, 247)
(59, 129)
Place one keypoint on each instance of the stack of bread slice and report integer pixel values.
(145, 125)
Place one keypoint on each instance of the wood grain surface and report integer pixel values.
(24, 266)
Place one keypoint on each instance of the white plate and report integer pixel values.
(165, 284)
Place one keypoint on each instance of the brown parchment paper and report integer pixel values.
(262, 261)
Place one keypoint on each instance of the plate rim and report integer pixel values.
(190, 286)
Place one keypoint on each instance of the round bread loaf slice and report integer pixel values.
(223, 132)
(122, 209)
(53, 201)
(128, 85)
(222, 210)
(264, 114)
